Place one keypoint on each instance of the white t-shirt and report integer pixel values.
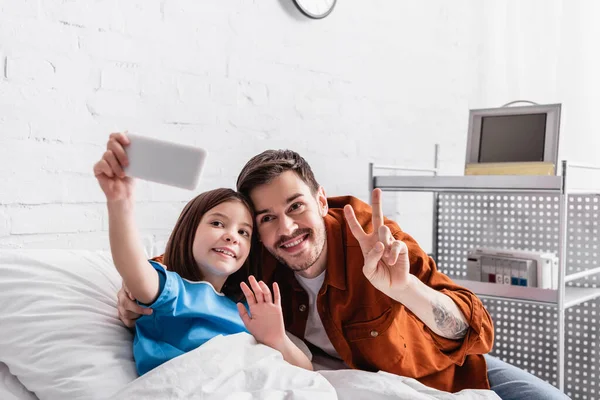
(315, 331)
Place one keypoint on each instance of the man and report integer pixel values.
(359, 289)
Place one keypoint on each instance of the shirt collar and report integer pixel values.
(336, 256)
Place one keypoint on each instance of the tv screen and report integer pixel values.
(512, 138)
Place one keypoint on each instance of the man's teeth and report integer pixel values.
(294, 243)
(230, 254)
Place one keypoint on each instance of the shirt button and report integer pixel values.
(374, 333)
(302, 308)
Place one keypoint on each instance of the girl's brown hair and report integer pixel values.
(179, 255)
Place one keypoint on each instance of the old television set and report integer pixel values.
(513, 140)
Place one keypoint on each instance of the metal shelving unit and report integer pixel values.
(543, 202)
(473, 183)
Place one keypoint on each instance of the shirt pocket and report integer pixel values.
(376, 344)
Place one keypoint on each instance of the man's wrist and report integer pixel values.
(406, 291)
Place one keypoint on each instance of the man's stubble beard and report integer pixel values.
(314, 253)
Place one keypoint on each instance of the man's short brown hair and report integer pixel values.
(269, 164)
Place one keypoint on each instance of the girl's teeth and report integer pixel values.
(225, 252)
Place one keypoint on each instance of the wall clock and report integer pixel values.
(315, 9)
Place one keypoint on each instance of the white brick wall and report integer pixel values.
(375, 81)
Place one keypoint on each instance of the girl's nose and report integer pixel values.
(230, 238)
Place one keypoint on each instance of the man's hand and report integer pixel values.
(128, 309)
(387, 266)
(265, 321)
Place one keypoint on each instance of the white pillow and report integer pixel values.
(59, 330)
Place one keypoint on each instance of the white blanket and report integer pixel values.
(236, 367)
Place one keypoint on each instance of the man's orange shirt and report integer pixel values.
(372, 332)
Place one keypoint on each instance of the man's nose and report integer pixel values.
(287, 226)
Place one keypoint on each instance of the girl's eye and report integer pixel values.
(217, 223)
(244, 233)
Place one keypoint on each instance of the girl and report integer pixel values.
(195, 299)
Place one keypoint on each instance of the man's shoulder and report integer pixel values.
(341, 201)
(362, 210)
(159, 259)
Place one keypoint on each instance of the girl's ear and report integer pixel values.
(322, 202)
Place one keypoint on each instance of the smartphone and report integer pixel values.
(164, 162)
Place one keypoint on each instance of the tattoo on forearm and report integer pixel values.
(451, 326)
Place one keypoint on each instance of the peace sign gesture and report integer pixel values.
(386, 259)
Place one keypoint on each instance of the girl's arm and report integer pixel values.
(292, 354)
(129, 258)
(266, 323)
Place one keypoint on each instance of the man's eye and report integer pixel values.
(217, 223)
(266, 218)
(295, 206)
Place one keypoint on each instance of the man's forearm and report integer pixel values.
(435, 309)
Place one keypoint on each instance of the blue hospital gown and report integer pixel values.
(185, 315)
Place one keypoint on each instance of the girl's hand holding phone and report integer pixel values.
(110, 170)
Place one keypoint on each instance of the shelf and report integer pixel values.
(582, 274)
(469, 183)
(509, 292)
(573, 295)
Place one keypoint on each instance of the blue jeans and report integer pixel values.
(512, 383)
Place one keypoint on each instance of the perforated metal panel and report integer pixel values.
(582, 362)
(582, 374)
(524, 222)
(583, 238)
(527, 334)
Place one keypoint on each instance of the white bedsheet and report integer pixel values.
(236, 367)
(11, 388)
